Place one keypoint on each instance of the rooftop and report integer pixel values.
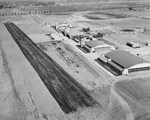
(74, 32)
(94, 43)
(124, 59)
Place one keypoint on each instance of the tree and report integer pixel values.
(86, 29)
(1, 6)
(98, 35)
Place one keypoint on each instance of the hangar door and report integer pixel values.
(138, 69)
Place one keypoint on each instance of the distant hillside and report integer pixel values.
(60, 1)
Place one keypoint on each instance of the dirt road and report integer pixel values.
(129, 115)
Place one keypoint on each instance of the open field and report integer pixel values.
(147, 33)
(28, 27)
(36, 38)
(53, 19)
(124, 38)
(137, 89)
(121, 39)
(127, 23)
(143, 13)
(136, 93)
(110, 17)
(11, 106)
(132, 23)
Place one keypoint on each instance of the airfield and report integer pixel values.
(45, 79)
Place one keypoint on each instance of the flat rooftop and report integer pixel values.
(75, 32)
(94, 43)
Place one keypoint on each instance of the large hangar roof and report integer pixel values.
(124, 59)
(94, 43)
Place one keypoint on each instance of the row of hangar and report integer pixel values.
(120, 61)
(123, 62)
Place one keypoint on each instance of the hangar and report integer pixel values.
(94, 45)
(126, 63)
(74, 33)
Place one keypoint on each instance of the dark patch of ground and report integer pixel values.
(111, 15)
(127, 30)
(93, 17)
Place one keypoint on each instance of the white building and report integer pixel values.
(133, 44)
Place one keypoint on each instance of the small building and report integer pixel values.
(125, 62)
(133, 44)
(147, 44)
(56, 37)
(94, 45)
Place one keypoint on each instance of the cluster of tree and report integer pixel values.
(25, 3)
(86, 30)
(1, 6)
(51, 3)
(36, 12)
(6, 5)
(98, 35)
(43, 3)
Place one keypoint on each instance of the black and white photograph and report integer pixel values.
(74, 59)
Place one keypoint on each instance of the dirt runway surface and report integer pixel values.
(11, 107)
(69, 94)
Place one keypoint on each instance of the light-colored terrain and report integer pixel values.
(23, 80)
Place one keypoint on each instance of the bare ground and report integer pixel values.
(11, 106)
(136, 93)
(29, 88)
